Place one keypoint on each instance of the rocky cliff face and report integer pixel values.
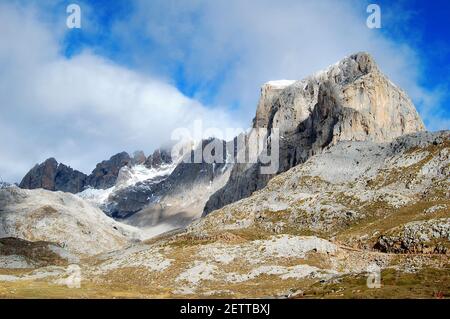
(55, 177)
(351, 100)
(105, 174)
(138, 158)
(384, 186)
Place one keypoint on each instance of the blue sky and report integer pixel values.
(424, 26)
(138, 69)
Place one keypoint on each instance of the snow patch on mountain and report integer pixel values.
(132, 175)
(280, 84)
(128, 176)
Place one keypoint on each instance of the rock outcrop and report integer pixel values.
(352, 100)
(158, 158)
(138, 158)
(431, 236)
(105, 173)
(18, 253)
(54, 176)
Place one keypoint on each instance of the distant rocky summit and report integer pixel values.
(54, 176)
(158, 158)
(138, 158)
(350, 101)
(105, 173)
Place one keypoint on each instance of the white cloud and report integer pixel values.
(79, 110)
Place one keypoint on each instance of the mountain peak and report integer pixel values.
(354, 83)
(54, 176)
(351, 100)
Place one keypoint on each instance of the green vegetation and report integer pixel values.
(425, 283)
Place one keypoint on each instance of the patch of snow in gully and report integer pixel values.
(127, 177)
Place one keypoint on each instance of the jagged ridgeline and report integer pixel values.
(54, 176)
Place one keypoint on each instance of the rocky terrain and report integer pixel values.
(358, 208)
(60, 218)
(17, 253)
(323, 228)
(154, 191)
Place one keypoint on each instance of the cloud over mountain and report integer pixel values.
(80, 109)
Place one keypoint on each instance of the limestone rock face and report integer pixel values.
(269, 92)
(105, 174)
(55, 177)
(417, 237)
(351, 100)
